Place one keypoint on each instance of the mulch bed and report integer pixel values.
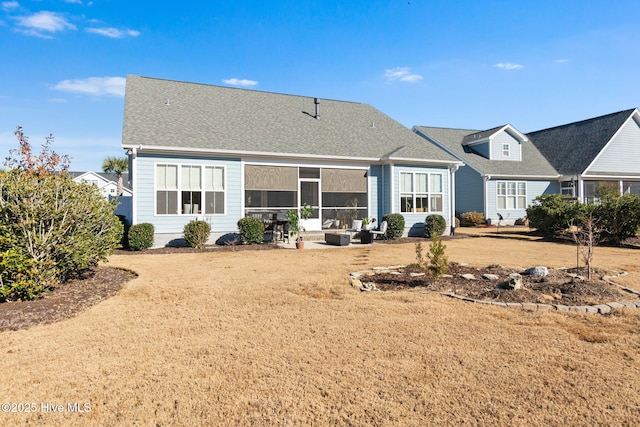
(65, 301)
(558, 287)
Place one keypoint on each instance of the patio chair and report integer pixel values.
(382, 232)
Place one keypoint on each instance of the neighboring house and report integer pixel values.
(219, 153)
(503, 170)
(595, 152)
(107, 183)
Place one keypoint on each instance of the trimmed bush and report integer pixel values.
(471, 219)
(395, 225)
(196, 233)
(251, 230)
(434, 224)
(551, 214)
(140, 236)
(618, 217)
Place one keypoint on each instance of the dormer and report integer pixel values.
(499, 143)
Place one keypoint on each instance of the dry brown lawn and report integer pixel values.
(280, 338)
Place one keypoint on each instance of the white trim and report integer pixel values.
(507, 195)
(179, 189)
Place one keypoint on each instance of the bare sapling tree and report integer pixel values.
(587, 233)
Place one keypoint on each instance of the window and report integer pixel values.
(511, 195)
(506, 149)
(421, 192)
(186, 194)
(166, 189)
(214, 190)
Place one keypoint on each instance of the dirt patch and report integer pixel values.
(65, 301)
(561, 286)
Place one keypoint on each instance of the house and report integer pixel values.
(506, 169)
(503, 170)
(107, 183)
(593, 153)
(202, 151)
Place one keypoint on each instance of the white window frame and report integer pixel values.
(506, 150)
(416, 194)
(512, 192)
(180, 188)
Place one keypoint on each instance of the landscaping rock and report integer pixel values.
(468, 276)
(491, 277)
(538, 271)
(514, 282)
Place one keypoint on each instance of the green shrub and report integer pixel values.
(196, 233)
(140, 236)
(551, 214)
(125, 230)
(618, 217)
(471, 219)
(395, 225)
(251, 230)
(434, 224)
(51, 229)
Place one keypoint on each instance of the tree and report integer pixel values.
(51, 228)
(117, 165)
(587, 231)
(45, 163)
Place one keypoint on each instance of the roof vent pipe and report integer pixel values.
(317, 102)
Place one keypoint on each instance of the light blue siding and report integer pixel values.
(376, 191)
(414, 222)
(622, 155)
(145, 194)
(482, 149)
(515, 153)
(534, 189)
(469, 190)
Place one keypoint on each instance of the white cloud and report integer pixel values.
(10, 5)
(97, 86)
(509, 66)
(114, 33)
(561, 61)
(43, 23)
(73, 1)
(239, 82)
(402, 74)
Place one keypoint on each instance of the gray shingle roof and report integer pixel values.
(572, 147)
(532, 164)
(177, 115)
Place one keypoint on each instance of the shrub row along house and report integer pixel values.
(201, 151)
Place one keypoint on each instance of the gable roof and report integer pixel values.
(189, 117)
(572, 147)
(108, 177)
(455, 142)
(486, 134)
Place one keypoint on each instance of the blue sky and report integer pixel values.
(464, 64)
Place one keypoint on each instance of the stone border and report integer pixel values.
(356, 276)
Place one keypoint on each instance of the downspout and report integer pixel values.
(132, 153)
(452, 197)
(485, 179)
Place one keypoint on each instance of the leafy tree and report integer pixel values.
(117, 165)
(45, 163)
(51, 228)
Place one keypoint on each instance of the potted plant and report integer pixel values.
(295, 228)
(367, 223)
